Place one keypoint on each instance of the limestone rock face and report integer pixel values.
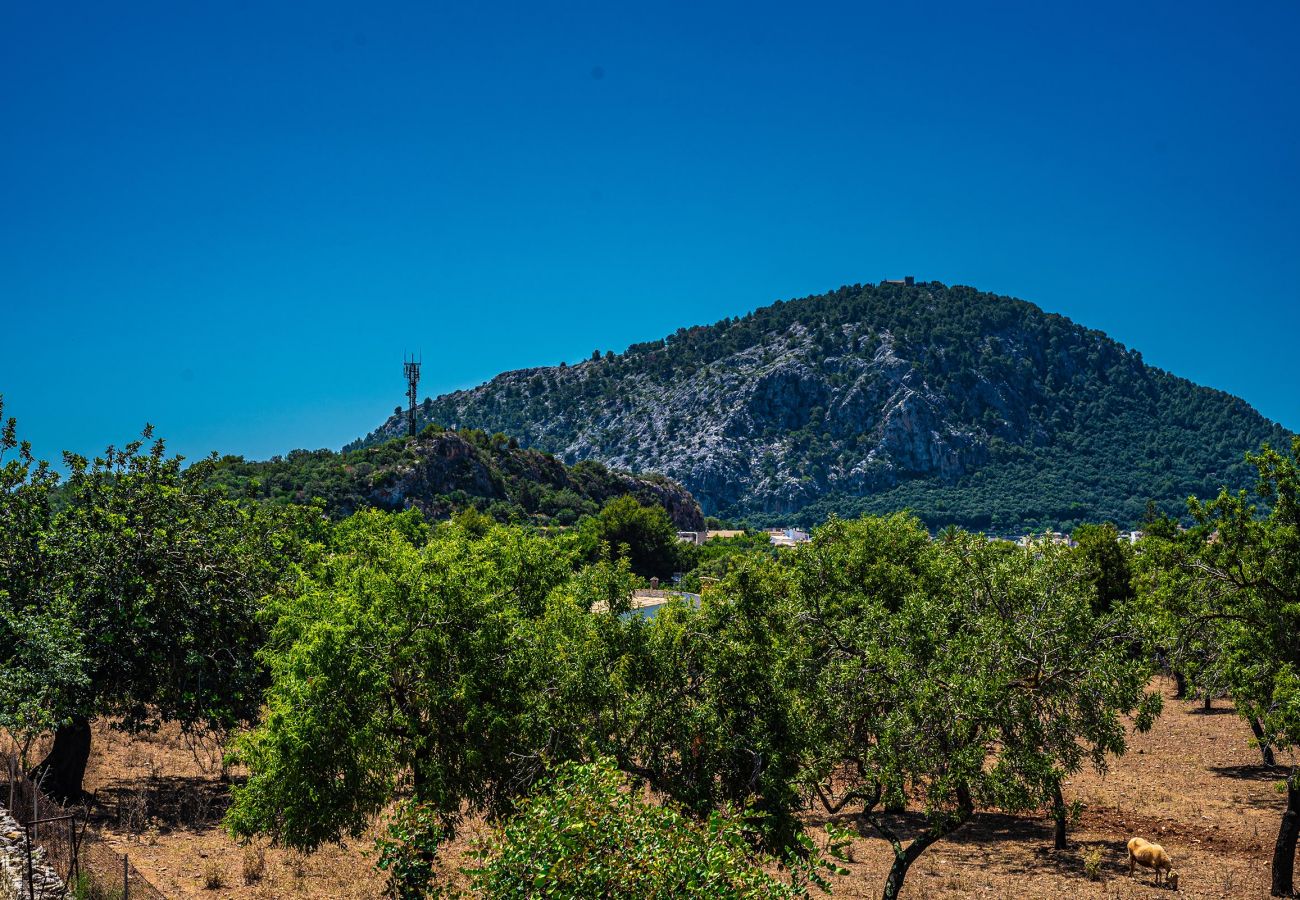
(726, 433)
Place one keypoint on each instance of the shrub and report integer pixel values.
(214, 877)
(1092, 864)
(254, 864)
(592, 834)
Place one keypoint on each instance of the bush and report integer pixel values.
(214, 877)
(592, 834)
(1092, 864)
(254, 864)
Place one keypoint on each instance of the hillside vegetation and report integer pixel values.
(967, 407)
(441, 472)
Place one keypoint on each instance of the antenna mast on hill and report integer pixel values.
(411, 369)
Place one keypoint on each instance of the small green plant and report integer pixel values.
(1092, 864)
(85, 887)
(409, 851)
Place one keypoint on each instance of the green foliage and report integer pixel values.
(408, 852)
(1109, 564)
(644, 535)
(396, 666)
(136, 600)
(165, 577)
(441, 472)
(457, 663)
(718, 557)
(686, 700)
(42, 665)
(1249, 568)
(976, 672)
(1229, 591)
(589, 834)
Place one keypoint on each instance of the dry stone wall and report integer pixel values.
(13, 866)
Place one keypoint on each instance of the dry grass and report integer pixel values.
(1193, 785)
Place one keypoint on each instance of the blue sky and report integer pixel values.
(231, 219)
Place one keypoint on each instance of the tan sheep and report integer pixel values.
(1152, 856)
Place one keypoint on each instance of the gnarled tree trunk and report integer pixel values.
(903, 858)
(63, 770)
(1284, 851)
(1265, 748)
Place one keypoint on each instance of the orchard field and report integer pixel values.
(1193, 782)
(257, 699)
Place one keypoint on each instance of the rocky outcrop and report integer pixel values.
(440, 472)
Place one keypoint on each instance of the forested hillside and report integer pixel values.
(441, 472)
(967, 407)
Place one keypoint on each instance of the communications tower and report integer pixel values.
(411, 369)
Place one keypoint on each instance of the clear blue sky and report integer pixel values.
(232, 221)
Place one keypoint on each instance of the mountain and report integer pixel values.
(441, 472)
(967, 407)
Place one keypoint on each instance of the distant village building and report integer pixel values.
(907, 281)
(1047, 537)
(787, 537)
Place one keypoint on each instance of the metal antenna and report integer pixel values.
(411, 369)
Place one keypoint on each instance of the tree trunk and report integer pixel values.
(1284, 851)
(62, 772)
(1180, 683)
(903, 859)
(1209, 705)
(1265, 748)
(1058, 814)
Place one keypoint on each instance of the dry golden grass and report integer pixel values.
(1193, 785)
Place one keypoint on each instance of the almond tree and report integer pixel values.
(974, 672)
(1246, 568)
(396, 669)
(137, 601)
(41, 662)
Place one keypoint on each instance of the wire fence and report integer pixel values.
(59, 840)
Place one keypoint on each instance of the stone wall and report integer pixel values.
(13, 865)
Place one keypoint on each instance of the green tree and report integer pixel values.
(41, 662)
(397, 667)
(686, 700)
(1246, 567)
(1109, 564)
(150, 583)
(644, 535)
(972, 672)
(1172, 598)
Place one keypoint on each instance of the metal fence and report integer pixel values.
(61, 839)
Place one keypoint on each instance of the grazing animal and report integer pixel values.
(1152, 856)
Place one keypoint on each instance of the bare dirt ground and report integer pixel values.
(1193, 784)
